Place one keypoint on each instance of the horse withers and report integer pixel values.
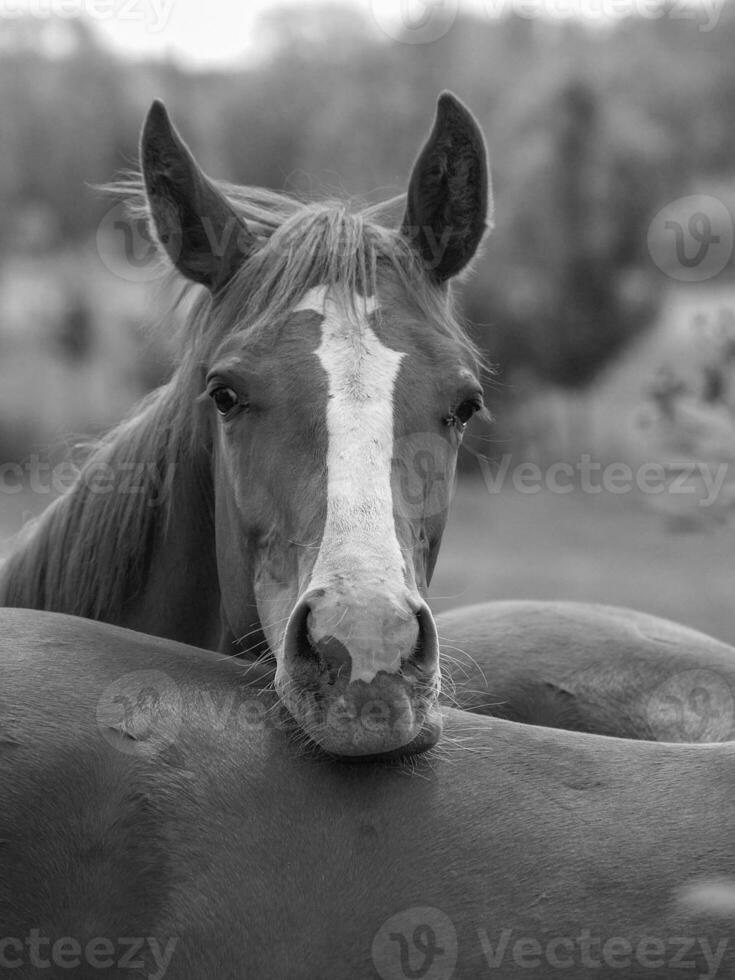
(320, 358)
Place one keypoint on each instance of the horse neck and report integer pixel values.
(179, 597)
(141, 556)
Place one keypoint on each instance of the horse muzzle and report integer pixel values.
(362, 679)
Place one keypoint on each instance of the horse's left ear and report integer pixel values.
(449, 191)
(198, 227)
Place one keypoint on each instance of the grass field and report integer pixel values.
(593, 548)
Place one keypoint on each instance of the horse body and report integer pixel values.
(589, 668)
(152, 795)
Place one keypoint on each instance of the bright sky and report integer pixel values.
(213, 32)
(201, 33)
(198, 32)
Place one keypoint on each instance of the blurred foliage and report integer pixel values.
(590, 132)
(690, 425)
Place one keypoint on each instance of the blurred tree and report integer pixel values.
(690, 426)
(568, 282)
(588, 138)
(74, 331)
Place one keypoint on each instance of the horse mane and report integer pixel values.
(89, 553)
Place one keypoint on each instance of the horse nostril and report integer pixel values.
(425, 654)
(303, 648)
(335, 657)
(326, 644)
(416, 657)
(326, 652)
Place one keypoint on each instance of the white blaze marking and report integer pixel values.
(359, 546)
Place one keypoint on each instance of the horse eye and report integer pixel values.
(464, 412)
(225, 399)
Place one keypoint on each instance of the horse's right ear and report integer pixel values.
(201, 232)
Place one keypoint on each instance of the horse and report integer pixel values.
(162, 817)
(297, 513)
(321, 358)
